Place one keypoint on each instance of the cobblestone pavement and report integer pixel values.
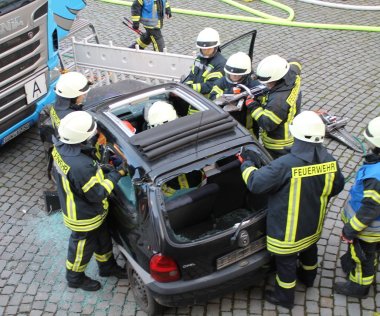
(340, 73)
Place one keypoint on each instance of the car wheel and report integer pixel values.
(142, 294)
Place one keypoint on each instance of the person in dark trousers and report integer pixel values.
(238, 70)
(361, 216)
(150, 13)
(274, 112)
(299, 186)
(208, 65)
(83, 189)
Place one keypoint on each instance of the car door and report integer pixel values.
(244, 43)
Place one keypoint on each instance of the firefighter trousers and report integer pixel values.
(82, 245)
(361, 262)
(153, 36)
(286, 274)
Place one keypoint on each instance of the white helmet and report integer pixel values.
(272, 68)
(372, 132)
(308, 127)
(208, 38)
(238, 64)
(71, 85)
(76, 127)
(159, 113)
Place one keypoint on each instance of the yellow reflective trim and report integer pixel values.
(59, 162)
(293, 210)
(219, 92)
(285, 285)
(296, 64)
(247, 172)
(272, 116)
(69, 266)
(282, 247)
(168, 191)
(197, 87)
(329, 181)
(257, 113)
(54, 118)
(356, 224)
(314, 170)
(372, 194)
(309, 268)
(70, 204)
(357, 276)
(98, 178)
(135, 18)
(155, 45)
(212, 75)
(141, 44)
(83, 225)
(272, 143)
(103, 258)
(79, 255)
(182, 180)
(293, 96)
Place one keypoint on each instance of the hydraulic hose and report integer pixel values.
(277, 21)
(342, 6)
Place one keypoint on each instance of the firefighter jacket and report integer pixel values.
(149, 13)
(278, 109)
(82, 187)
(205, 71)
(299, 186)
(61, 108)
(362, 210)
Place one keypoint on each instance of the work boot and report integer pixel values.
(353, 289)
(115, 271)
(271, 298)
(306, 278)
(86, 284)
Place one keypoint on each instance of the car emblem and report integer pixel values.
(30, 34)
(243, 239)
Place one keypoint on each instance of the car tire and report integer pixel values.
(142, 294)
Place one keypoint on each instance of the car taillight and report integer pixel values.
(163, 269)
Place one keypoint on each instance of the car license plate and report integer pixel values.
(241, 253)
(35, 88)
(16, 133)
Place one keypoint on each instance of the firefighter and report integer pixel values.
(299, 186)
(83, 189)
(71, 91)
(151, 15)
(209, 64)
(361, 216)
(274, 112)
(238, 70)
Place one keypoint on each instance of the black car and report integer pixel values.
(200, 242)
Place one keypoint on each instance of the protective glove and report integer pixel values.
(123, 169)
(135, 25)
(252, 104)
(168, 12)
(348, 233)
(107, 168)
(247, 155)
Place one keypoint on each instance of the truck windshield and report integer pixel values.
(7, 6)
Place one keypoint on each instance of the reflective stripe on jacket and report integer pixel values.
(149, 12)
(362, 209)
(298, 193)
(279, 108)
(205, 71)
(82, 188)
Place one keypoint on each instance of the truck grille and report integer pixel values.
(20, 67)
(14, 42)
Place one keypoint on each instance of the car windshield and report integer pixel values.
(7, 6)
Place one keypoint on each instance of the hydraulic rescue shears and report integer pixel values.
(128, 23)
(335, 130)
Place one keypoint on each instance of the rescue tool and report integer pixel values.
(335, 130)
(234, 102)
(128, 23)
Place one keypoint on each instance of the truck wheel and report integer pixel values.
(142, 294)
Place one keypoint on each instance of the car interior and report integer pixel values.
(222, 202)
